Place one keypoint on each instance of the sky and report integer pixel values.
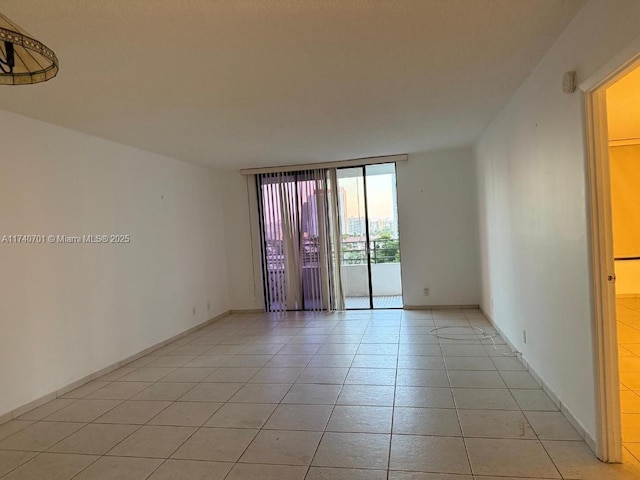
(379, 187)
(380, 192)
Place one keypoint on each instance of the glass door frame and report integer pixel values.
(368, 233)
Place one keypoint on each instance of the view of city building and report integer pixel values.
(356, 226)
(382, 217)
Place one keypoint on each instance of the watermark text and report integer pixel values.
(63, 239)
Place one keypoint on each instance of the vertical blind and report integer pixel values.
(300, 240)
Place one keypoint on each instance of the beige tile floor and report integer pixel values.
(628, 315)
(357, 395)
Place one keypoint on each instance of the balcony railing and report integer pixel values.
(382, 251)
(352, 252)
(384, 276)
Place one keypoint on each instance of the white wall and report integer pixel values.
(438, 228)
(242, 241)
(69, 310)
(624, 162)
(532, 194)
(628, 278)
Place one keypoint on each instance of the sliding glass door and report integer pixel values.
(299, 233)
(330, 239)
(370, 253)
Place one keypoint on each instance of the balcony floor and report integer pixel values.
(386, 301)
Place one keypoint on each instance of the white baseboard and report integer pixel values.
(21, 410)
(441, 307)
(241, 311)
(589, 440)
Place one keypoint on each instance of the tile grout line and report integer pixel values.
(464, 440)
(334, 405)
(393, 405)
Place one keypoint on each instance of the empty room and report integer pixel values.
(316, 240)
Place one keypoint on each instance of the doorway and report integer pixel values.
(370, 254)
(613, 134)
(623, 122)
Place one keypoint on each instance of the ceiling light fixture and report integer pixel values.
(23, 59)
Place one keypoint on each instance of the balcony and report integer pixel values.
(386, 282)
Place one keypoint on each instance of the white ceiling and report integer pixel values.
(245, 83)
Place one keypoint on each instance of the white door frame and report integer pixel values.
(609, 433)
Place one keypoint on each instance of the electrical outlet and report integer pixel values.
(194, 310)
(524, 336)
(208, 305)
(426, 292)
